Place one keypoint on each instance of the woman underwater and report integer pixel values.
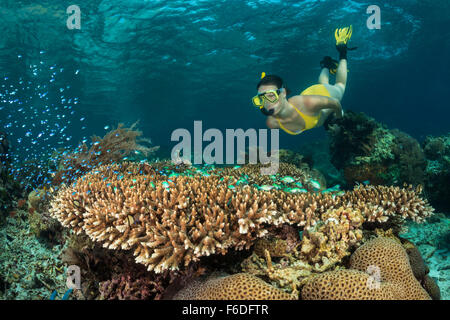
(312, 107)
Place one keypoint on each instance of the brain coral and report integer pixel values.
(380, 269)
(393, 262)
(346, 285)
(241, 286)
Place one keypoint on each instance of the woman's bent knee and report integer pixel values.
(336, 91)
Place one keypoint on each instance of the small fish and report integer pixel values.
(340, 193)
(315, 184)
(287, 179)
(298, 190)
(367, 182)
(332, 189)
(266, 187)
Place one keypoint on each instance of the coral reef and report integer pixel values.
(171, 222)
(113, 147)
(431, 287)
(437, 151)
(288, 272)
(379, 269)
(393, 263)
(110, 275)
(10, 189)
(347, 285)
(318, 152)
(295, 158)
(410, 162)
(4, 156)
(418, 266)
(241, 286)
(331, 238)
(421, 270)
(42, 225)
(366, 151)
(288, 175)
(274, 246)
(128, 286)
(32, 173)
(353, 136)
(433, 241)
(28, 269)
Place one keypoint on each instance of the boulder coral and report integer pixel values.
(379, 269)
(241, 286)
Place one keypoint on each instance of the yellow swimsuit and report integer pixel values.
(310, 121)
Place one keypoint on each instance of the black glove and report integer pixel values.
(342, 49)
(328, 63)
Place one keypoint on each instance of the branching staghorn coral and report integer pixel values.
(170, 222)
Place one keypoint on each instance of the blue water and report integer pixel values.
(168, 63)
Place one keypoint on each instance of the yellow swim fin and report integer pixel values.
(343, 35)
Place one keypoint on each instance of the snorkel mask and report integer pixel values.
(271, 96)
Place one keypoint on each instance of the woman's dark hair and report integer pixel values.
(272, 79)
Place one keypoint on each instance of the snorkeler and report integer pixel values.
(314, 105)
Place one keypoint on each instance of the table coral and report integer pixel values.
(170, 222)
